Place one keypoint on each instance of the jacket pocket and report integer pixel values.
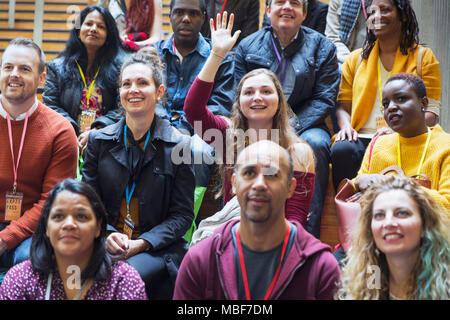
(254, 61)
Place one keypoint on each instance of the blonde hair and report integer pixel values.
(431, 273)
(280, 122)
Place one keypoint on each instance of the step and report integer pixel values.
(29, 14)
(29, 24)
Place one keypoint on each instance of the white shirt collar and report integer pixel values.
(21, 116)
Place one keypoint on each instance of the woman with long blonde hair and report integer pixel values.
(400, 245)
(260, 111)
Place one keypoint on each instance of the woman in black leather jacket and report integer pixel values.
(143, 176)
(88, 67)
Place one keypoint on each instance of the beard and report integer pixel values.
(258, 215)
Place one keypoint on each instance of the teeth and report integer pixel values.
(392, 236)
(258, 108)
(135, 100)
(14, 85)
(286, 16)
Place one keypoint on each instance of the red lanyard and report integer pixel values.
(11, 143)
(244, 272)
(221, 13)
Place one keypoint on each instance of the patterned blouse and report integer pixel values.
(22, 282)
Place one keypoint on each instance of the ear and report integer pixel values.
(42, 77)
(160, 91)
(98, 229)
(292, 186)
(233, 187)
(425, 102)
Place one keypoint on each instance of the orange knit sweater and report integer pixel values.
(49, 155)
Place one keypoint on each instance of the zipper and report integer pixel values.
(289, 280)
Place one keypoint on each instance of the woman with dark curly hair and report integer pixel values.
(69, 260)
(400, 246)
(391, 46)
(82, 82)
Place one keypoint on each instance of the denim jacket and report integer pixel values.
(316, 71)
(180, 76)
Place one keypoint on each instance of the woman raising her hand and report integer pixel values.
(260, 111)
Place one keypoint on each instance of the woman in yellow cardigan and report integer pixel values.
(414, 147)
(391, 47)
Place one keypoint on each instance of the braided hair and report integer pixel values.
(410, 28)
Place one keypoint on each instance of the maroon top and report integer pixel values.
(195, 107)
(22, 282)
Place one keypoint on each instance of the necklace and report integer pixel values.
(399, 157)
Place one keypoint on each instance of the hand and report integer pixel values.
(3, 246)
(117, 244)
(383, 131)
(83, 139)
(136, 246)
(221, 38)
(347, 133)
(366, 180)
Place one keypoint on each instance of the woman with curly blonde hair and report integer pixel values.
(260, 112)
(402, 235)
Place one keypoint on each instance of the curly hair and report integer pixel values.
(410, 28)
(431, 273)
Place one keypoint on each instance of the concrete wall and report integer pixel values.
(434, 24)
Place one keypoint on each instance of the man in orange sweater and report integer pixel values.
(39, 148)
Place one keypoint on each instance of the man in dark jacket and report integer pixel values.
(262, 256)
(246, 16)
(305, 62)
(184, 53)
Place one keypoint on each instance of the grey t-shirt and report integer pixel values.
(260, 265)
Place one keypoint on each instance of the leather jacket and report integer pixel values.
(64, 85)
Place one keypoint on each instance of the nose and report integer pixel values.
(260, 182)
(286, 5)
(390, 222)
(392, 106)
(14, 71)
(69, 222)
(257, 95)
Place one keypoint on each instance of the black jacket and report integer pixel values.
(64, 86)
(165, 189)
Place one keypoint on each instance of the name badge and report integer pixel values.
(128, 227)
(87, 117)
(381, 123)
(13, 206)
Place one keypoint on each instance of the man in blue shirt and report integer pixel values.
(306, 64)
(184, 54)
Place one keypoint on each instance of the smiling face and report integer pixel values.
(138, 93)
(396, 224)
(20, 76)
(72, 226)
(93, 31)
(186, 19)
(384, 19)
(259, 101)
(261, 182)
(404, 111)
(286, 17)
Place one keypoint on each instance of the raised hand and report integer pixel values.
(221, 38)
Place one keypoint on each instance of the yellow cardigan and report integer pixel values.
(359, 86)
(436, 164)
